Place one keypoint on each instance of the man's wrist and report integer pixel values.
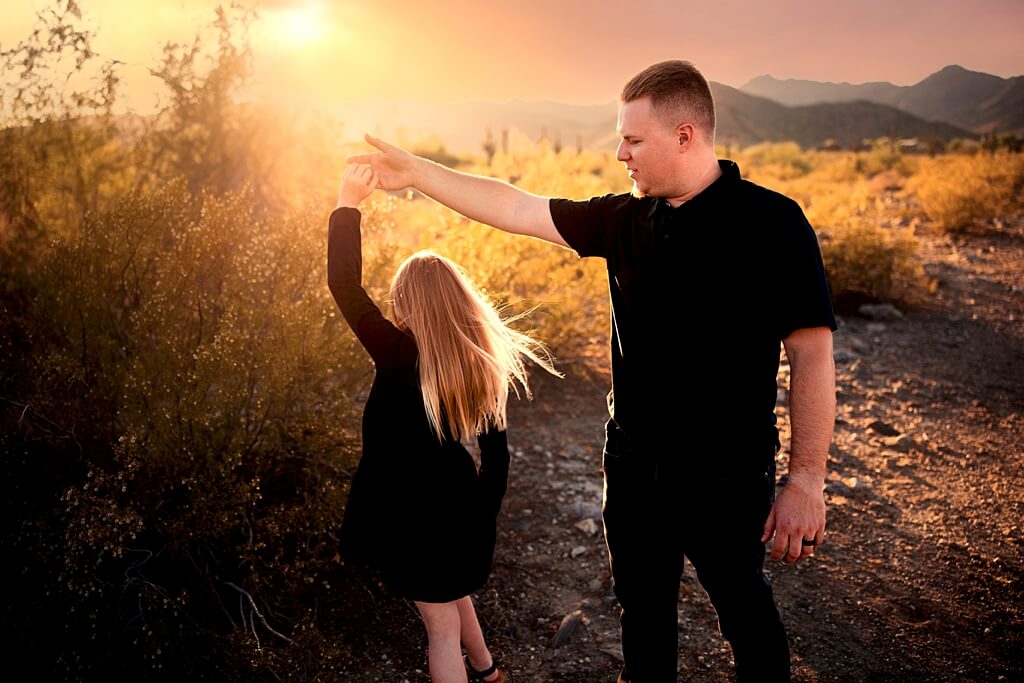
(419, 168)
(809, 481)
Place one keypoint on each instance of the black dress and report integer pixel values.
(418, 511)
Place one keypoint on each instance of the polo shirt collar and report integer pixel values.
(721, 188)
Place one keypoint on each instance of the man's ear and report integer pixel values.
(684, 134)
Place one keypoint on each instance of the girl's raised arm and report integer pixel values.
(378, 335)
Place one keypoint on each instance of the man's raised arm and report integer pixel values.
(486, 200)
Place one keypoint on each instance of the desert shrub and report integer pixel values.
(867, 262)
(868, 251)
(884, 155)
(189, 365)
(781, 160)
(957, 190)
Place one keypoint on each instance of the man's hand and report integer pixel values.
(798, 515)
(393, 165)
(357, 182)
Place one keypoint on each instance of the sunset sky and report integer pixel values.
(319, 53)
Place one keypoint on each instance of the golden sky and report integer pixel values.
(313, 53)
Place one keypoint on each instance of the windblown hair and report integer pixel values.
(679, 94)
(468, 355)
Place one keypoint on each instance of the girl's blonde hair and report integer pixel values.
(468, 355)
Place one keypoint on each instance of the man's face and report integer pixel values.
(649, 148)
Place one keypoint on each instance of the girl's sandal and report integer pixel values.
(475, 675)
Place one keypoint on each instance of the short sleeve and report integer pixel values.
(804, 295)
(587, 225)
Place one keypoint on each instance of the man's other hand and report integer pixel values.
(796, 519)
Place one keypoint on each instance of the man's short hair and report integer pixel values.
(675, 88)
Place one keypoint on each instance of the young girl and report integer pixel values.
(418, 511)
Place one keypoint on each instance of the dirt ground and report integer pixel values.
(921, 577)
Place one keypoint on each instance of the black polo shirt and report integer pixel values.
(702, 295)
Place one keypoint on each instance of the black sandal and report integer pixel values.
(475, 675)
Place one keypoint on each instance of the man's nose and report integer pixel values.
(620, 152)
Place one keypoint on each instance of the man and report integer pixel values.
(707, 273)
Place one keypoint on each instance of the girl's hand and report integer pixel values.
(357, 182)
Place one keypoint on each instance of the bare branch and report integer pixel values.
(255, 610)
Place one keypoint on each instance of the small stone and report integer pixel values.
(880, 312)
(859, 345)
(883, 428)
(577, 551)
(615, 652)
(587, 526)
(843, 356)
(842, 487)
(876, 328)
(903, 443)
(567, 628)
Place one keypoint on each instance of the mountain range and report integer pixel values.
(978, 102)
(952, 103)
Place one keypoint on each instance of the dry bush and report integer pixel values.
(958, 190)
(867, 254)
(866, 261)
(200, 363)
(884, 155)
(777, 160)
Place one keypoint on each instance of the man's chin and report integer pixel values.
(637, 192)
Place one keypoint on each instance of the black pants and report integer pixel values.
(658, 510)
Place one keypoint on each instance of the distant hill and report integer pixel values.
(742, 119)
(972, 100)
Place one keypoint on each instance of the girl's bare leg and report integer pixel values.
(473, 638)
(443, 632)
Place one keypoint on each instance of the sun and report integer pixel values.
(299, 25)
